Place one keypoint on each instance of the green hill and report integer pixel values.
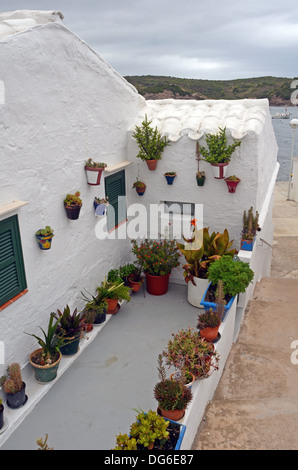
(277, 89)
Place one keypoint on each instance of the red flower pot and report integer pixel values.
(209, 333)
(157, 285)
(152, 164)
(112, 305)
(232, 184)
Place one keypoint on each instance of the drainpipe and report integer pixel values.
(294, 125)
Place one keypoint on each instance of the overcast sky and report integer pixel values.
(211, 39)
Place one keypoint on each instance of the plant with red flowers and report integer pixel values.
(156, 257)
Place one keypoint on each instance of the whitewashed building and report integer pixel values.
(61, 104)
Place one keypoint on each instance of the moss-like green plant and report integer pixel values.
(218, 150)
(235, 275)
(45, 232)
(150, 142)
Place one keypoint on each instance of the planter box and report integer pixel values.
(212, 305)
(247, 245)
(181, 434)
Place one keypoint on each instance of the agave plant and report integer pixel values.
(50, 342)
(70, 324)
(202, 249)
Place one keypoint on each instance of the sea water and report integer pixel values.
(284, 136)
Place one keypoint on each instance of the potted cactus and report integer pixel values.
(249, 229)
(150, 142)
(172, 395)
(44, 237)
(14, 387)
(73, 204)
(93, 171)
(210, 321)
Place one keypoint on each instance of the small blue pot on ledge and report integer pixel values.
(207, 305)
(170, 177)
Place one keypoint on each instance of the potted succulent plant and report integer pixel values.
(156, 258)
(73, 204)
(94, 312)
(199, 251)
(235, 275)
(170, 176)
(200, 175)
(45, 360)
(93, 171)
(14, 387)
(69, 331)
(232, 183)
(100, 205)
(44, 237)
(218, 153)
(140, 187)
(172, 395)
(249, 229)
(150, 142)
(210, 321)
(150, 431)
(198, 354)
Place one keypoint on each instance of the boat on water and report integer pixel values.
(284, 115)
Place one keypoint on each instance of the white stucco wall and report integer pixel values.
(63, 104)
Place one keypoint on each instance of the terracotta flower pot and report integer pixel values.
(112, 305)
(209, 333)
(174, 415)
(134, 285)
(157, 285)
(152, 164)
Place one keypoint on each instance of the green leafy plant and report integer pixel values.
(250, 224)
(139, 184)
(12, 383)
(150, 142)
(50, 342)
(235, 275)
(171, 395)
(193, 354)
(156, 257)
(73, 199)
(218, 150)
(202, 249)
(45, 232)
(148, 428)
(91, 164)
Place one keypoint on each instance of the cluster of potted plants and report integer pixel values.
(156, 258)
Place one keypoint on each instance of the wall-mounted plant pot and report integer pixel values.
(247, 245)
(44, 373)
(170, 178)
(219, 170)
(44, 243)
(152, 164)
(232, 184)
(72, 212)
(140, 189)
(93, 175)
(18, 399)
(100, 209)
(157, 285)
(200, 179)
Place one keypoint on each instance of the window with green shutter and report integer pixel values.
(115, 191)
(12, 272)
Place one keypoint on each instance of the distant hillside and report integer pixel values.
(277, 90)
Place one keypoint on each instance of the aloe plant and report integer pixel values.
(50, 342)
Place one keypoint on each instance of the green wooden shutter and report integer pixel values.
(12, 272)
(115, 190)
